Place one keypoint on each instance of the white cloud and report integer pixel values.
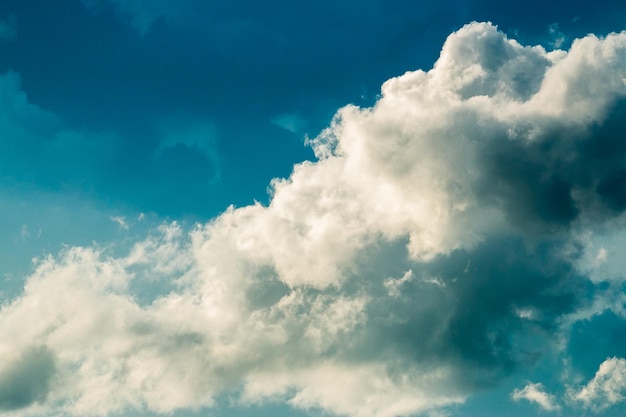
(535, 393)
(205, 338)
(393, 285)
(558, 37)
(602, 258)
(120, 221)
(598, 255)
(293, 301)
(607, 388)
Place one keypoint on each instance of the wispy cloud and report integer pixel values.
(536, 393)
(292, 122)
(558, 37)
(606, 389)
(120, 221)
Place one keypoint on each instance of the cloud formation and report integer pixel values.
(425, 256)
(606, 389)
(535, 393)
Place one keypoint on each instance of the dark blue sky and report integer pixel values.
(231, 69)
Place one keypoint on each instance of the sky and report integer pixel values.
(303, 209)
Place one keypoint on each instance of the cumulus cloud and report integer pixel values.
(535, 393)
(421, 258)
(607, 388)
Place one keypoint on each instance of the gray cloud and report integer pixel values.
(561, 174)
(26, 380)
(488, 311)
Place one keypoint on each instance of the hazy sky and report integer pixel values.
(351, 208)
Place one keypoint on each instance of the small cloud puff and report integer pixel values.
(120, 221)
(535, 393)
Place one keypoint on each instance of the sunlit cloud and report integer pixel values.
(425, 255)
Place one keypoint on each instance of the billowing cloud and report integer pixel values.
(535, 393)
(425, 256)
(606, 389)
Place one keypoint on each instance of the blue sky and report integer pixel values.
(354, 208)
